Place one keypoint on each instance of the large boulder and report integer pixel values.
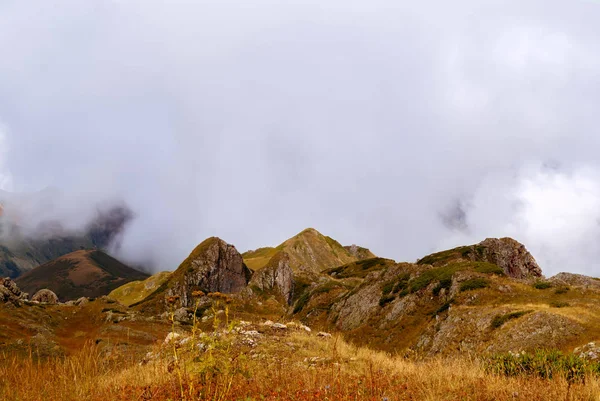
(510, 255)
(214, 266)
(277, 276)
(10, 292)
(45, 296)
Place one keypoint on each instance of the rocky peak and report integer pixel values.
(276, 276)
(510, 255)
(214, 266)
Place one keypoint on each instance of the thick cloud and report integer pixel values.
(406, 128)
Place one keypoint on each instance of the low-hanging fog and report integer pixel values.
(405, 127)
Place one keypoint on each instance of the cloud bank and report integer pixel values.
(406, 128)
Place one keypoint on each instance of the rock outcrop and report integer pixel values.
(576, 280)
(510, 255)
(10, 292)
(359, 252)
(277, 276)
(214, 266)
(45, 296)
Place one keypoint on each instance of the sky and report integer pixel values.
(404, 127)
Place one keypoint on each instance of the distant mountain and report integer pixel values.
(20, 253)
(309, 252)
(78, 274)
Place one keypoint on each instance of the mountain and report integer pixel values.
(213, 266)
(21, 252)
(483, 298)
(78, 274)
(309, 252)
(136, 291)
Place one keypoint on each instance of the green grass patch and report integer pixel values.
(488, 268)
(542, 285)
(474, 284)
(432, 275)
(444, 256)
(499, 320)
(543, 364)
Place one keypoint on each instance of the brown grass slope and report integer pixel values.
(80, 274)
(309, 251)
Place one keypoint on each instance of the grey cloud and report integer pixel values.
(366, 120)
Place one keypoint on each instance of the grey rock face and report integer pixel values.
(511, 256)
(276, 276)
(214, 266)
(45, 296)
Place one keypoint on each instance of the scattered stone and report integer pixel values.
(323, 334)
(172, 337)
(182, 315)
(590, 351)
(279, 326)
(82, 301)
(45, 296)
(268, 323)
(251, 333)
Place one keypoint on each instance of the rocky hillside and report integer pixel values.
(79, 274)
(20, 253)
(214, 266)
(508, 254)
(483, 298)
(309, 252)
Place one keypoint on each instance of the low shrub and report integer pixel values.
(386, 299)
(444, 283)
(499, 320)
(559, 304)
(474, 284)
(542, 285)
(561, 290)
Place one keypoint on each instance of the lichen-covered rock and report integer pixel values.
(10, 292)
(45, 296)
(276, 276)
(510, 255)
(214, 266)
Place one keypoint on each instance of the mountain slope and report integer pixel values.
(309, 251)
(24, 249)
(136, 291)
(213, 266)
(79, 274)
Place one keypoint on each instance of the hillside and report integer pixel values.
(20, 253)
(309, 251)
(136, 291)
(213, 266)
(79, 274)
(467, 313)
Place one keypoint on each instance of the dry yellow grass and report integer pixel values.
(283, 366)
